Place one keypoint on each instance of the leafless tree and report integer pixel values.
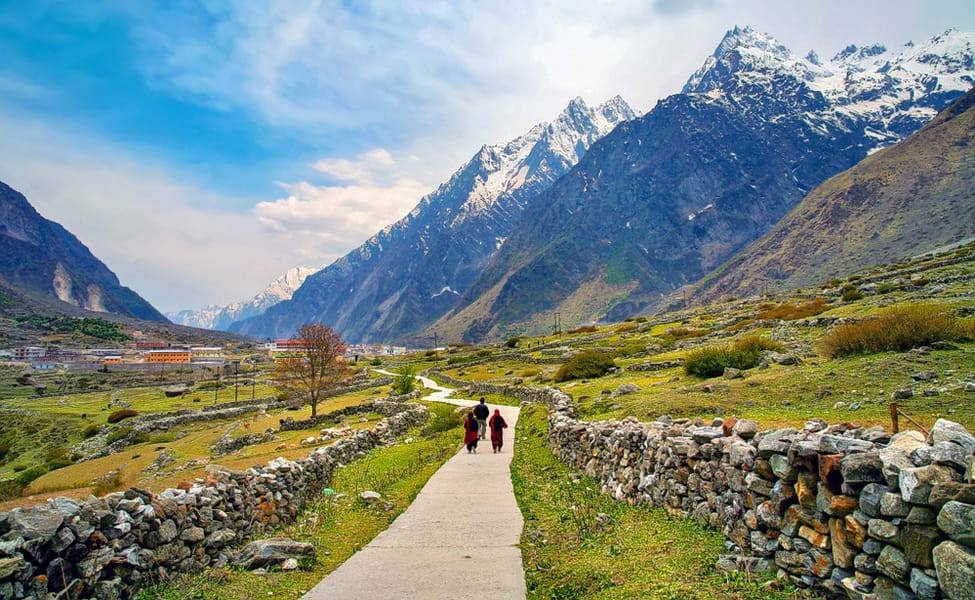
(316, 367)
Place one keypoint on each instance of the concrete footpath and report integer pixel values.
(458, 539)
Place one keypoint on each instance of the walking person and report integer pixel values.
(498, 425)
(481, 411)
(470, 433)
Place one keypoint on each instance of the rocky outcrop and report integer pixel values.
(109, 547)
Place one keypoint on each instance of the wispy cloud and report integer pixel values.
(373, 194)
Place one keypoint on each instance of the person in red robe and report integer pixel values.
(497, 425)
(470, 433)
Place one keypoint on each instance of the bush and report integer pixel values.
(4, 449)
(376, 362)
(512, 342)
(898, 328)
(107, 484)
(585, 329)
(24, 478)
(120, 415)
(745, 353)
(849, 293)
(405, 381)
(586, 364)
(631, 347)
(679, 333)
(920, 281)
(789, 312)
(886, 288)
(627, 326)
(529, 372)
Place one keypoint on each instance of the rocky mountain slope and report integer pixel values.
(903, 200)
(40, 256)
(668, 197)
(219, 317)
(411, 273)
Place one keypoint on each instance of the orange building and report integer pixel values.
(112, 360)
(169, 356)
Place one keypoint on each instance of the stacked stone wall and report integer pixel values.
(109, 547)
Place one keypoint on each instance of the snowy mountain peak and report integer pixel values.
(895, 91)
(545, 149)
(219, 317)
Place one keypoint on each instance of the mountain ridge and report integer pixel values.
(909, 198)
(666, 197)
(410, 273)
(40, 255)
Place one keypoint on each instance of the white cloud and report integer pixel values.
(375, 194)
(365, 168)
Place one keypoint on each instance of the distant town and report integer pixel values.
(160, 355)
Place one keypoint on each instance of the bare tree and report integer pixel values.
(315, 367)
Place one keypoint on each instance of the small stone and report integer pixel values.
(916, 483)
(883, 531)
(892, 505)
(745, 428)
(894, 564)
(865, 467)
(924, 376)
(289, 565)
(870, 498)
(957, 520)
(370, 496)
(951, 454)
(941, 493)
(193, 534)
(732, 373)
(902, 394)
(949, 431)
(918, 541)
(924, 586)
(956, 570)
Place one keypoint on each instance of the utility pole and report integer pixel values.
(558, 325)
(436, 340)
(253, 387)
(216, 385)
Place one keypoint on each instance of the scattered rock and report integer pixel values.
(271, 552)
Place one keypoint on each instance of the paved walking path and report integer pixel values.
(459, 538)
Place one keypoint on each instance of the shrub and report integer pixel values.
(107, 484)
(898, 328)
(512, 342)
(849, 293)
(628, 326)
(405, 381)
(90, 430)
(920, 281)
(679, 333)
(585, 329)
(24, 478)
(120, 415)
(789, 312)
(529, 372)
(4, 449)
(56, 457)
(376, 362)
(631, 347)
(745, 353)
(586, 364)
(886, 287)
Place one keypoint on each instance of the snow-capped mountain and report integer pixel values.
(411, 272)
(893, 92)
(665, 198)
(219, 317)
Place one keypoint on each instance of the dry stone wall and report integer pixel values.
(847, 511)
(109, 547)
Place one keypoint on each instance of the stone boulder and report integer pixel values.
(271, 552)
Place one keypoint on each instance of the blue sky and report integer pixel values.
(201, 148)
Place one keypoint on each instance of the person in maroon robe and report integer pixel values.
(470, 433)
(497, 425)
